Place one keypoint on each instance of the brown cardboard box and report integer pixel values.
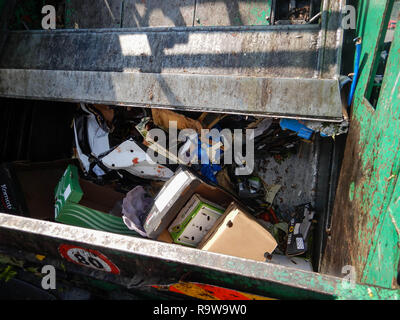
(165, 237)
(238, 234)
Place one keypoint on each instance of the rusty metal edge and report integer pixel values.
(125, 88)
(324, 284)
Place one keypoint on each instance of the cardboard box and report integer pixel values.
(29, 187)
(237, 233)
(81, 203)
(165, 237)
(175, 194)
(194, 221)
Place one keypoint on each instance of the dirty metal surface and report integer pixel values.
(158, 13)
(301, 52)
(297, 175)
(331, 36)
(154, 261)
(87, 14)
(306, 98)
(84, 14)
(343, 246)
(366, 216)
(6, 10)
(93, 14)
(308, 176)
(278, 51)
(98, 283)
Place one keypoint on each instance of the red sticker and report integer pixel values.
(87, 258)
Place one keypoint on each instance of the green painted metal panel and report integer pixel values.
(367, 194)
(382, 264)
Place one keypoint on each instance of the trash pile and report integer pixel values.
(297, 11)
(187, 178)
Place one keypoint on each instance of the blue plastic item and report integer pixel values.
(294, 125)
(208, 170)
(356, 72)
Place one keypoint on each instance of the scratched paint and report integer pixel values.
(260, 15)
(209, 292)
(380, 161)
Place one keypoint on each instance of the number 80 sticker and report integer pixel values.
(87, 258)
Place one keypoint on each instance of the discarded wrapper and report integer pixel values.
(135, 207)
(299, 226)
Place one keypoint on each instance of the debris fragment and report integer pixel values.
(209, 119)
(305, 129)
(162, 118)
(297, 126)
(224, 180)
(260, 126)
(135, 207)
(298, 230)
(129, 156)
(270, 191)
(328, 129)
